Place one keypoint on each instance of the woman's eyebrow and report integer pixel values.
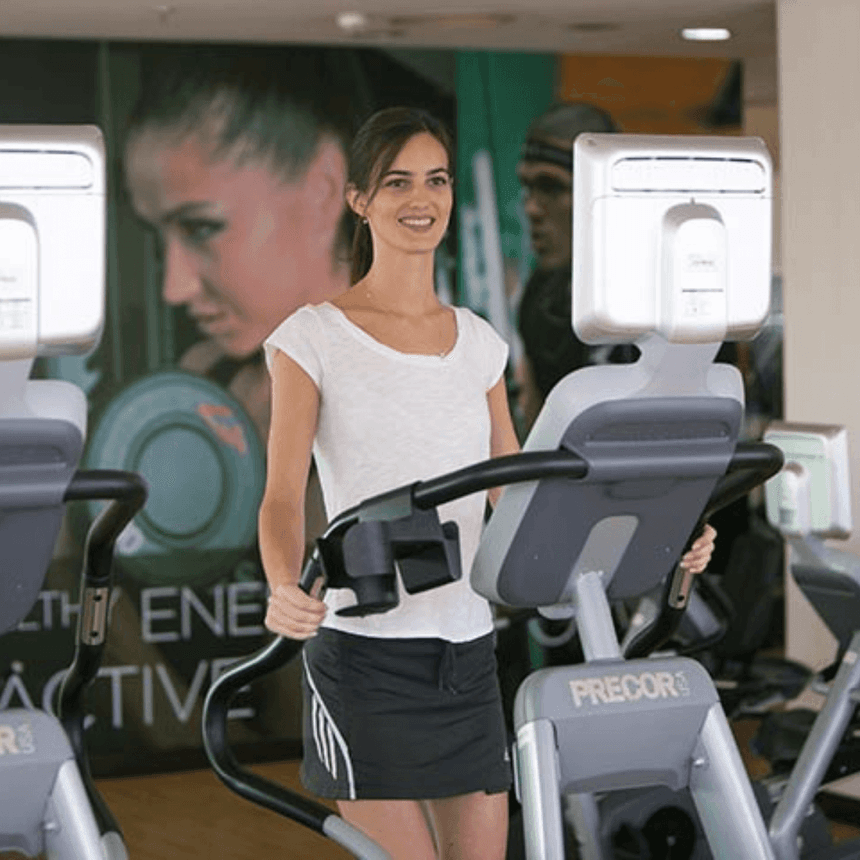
(410, 173)
(189, 209)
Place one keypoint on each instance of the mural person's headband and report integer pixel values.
(536, 150)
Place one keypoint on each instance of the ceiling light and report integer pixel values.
(352, 22)
(164, 12)
(706, 34)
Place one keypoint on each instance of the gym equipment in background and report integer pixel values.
(810, 503)
(51, 301)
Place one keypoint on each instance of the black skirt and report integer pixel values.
(402, 718)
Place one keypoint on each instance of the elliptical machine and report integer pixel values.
(810, 502)
(652, 438)
(692, 216)
(51, 302)
(606, 498)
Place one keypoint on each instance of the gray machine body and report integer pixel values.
(637, 699)
(48, 811)
(659, 437)
(37, 460)
(676, 448)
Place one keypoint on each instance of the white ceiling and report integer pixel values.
(621, 27)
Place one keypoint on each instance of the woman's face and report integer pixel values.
(412, 205)
(242, 247)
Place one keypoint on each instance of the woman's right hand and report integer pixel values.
(294, 613)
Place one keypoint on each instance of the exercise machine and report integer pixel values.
(631, 472)
(810, 503)
(654, 438)
(52, 302)
(671, 252)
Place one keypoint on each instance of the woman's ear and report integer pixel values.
(322, 190)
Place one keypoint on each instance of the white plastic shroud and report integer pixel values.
(811, 495)
(52, 240)
(671, 234)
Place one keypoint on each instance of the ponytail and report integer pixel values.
(362, 252)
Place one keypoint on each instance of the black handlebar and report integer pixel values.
(423, 496)
(255, 788)
(215, 714)
(498, 472)
(126, 493)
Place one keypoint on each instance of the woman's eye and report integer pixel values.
(200, 231)
(439, 181)
(396, 183)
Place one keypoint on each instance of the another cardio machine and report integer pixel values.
(810, 503)
(52, 240)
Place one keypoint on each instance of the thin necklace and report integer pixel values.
(442, 353)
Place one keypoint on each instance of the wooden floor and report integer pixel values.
(192, 815)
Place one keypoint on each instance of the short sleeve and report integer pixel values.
(493, 350)
(298, 337)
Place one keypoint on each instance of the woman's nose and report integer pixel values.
(181, 279)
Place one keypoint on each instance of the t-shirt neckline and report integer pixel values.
(368, 339)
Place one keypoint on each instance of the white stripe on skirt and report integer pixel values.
(327, 736)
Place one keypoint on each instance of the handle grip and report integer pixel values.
(312, 571)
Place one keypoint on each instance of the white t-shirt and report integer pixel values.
(388, 419)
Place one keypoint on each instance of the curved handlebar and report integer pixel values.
(126, 493)
(255, 788)
(215, 714)
(496, 472)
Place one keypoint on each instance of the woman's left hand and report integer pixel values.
(699, 554)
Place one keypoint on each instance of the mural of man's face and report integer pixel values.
(548, 203)
(242, 247)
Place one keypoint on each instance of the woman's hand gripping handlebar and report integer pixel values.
(296, 610)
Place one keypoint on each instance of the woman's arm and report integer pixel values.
(503, 436)
(295, 409)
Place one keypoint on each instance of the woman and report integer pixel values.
(386, 386)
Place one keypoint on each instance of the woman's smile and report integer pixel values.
(417, 222)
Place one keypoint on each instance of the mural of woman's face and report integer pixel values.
(242, 247)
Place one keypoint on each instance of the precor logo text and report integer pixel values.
(617, 689)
